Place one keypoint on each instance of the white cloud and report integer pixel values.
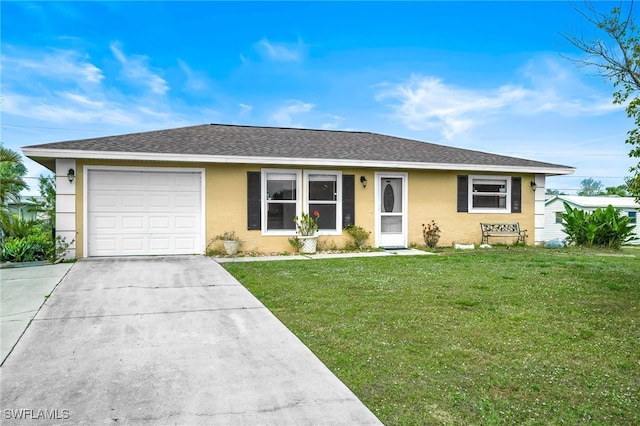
(197, 82)
(284, 115)
(333, 124)
(245, 109)
(135, 69)
(64, 89)
(282, 52)
(59, 65)
(428, 102)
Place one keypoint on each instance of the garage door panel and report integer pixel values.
(131, 201)
(104, 200)
(104, 223)
(185, 181)
(162, 201)
(144, 212)
(133, 244)
(108, 180)
(135, 223)
(184, 243)
(160, 224)
(106, 245)
(187, 223)
(187, 200)
(160, 244)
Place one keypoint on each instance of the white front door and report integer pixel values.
(391, 206)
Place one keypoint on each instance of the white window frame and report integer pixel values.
(505, 210)
(557, 218)
(337, 202)
(265, 201)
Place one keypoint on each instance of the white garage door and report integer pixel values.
(144, 212)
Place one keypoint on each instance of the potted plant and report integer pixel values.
(307, 227)
(230, 241)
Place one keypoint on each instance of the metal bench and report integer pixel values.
(503, 230)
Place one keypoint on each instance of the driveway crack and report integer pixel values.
(186, 311)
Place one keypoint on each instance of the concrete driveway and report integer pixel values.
(23, 290)
(166, 340)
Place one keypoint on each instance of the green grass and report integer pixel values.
(516, 337)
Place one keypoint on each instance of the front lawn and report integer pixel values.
(520, 337)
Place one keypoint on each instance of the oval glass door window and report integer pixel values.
(388, 198)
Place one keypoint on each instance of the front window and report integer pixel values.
(282, 200)
(287, 193)
(633, 217)
(323, 196)
(489, 194)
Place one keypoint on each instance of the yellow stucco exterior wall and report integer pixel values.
(432, 195)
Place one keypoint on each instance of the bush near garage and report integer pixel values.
(29, 240)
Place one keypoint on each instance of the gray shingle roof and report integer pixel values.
(283, 143)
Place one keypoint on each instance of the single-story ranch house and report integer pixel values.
(171, 191)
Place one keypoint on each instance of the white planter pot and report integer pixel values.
(308, 244)
(231, 246)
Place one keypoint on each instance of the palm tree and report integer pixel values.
(11, 172)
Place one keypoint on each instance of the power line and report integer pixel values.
(51, 128)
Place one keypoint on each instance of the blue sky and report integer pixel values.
(490, 76)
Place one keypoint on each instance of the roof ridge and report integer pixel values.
(289, 128)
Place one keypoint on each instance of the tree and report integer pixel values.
(591, 188)
(12, 171)
(550, 191)
(614, 51)
(620, 190)
(47, 186)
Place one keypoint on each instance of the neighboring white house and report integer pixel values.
(554, 206)
(25, 208)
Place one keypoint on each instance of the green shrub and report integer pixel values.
(603, 228)
(26, 249)
(359, 235)
(13, 226)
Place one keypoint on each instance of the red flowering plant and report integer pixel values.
(307, 224)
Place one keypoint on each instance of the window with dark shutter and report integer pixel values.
(348, 200)
(516, 195)
(463, 193)
(254, 206)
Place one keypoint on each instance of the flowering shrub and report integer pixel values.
(431, 234)
(307, 224)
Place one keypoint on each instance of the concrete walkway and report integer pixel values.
(23, 290)
(167, 340)
(390, 252)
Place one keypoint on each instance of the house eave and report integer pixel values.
(41, 155)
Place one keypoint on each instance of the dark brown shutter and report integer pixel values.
(348, 200)
(463, 193)
(254, 203)
(516, 195)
